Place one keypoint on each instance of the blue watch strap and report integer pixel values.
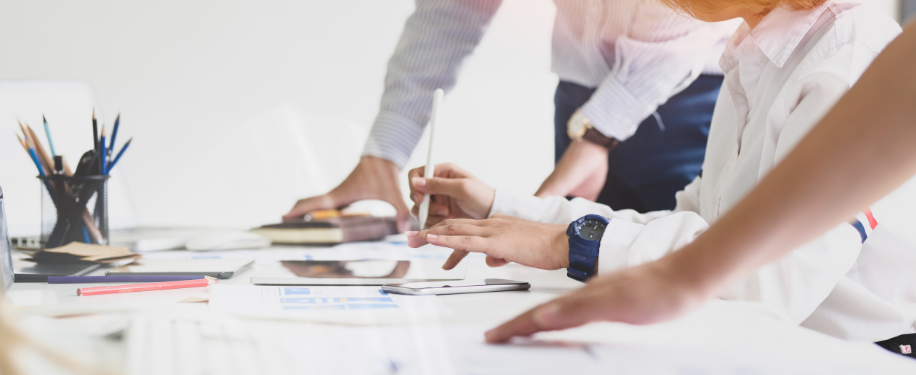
(583, 253)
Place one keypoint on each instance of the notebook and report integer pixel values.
(328, 231)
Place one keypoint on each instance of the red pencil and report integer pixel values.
(144, 287)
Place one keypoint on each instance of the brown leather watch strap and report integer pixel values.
(597, 138)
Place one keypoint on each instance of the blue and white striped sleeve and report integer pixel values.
(436, 39)
(662, 53)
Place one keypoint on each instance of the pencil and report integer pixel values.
(95, 133)
(131, 288)
(118, 157)
(31, 150)
(114, 134)
(42, 154)
(48, 133)
(104, 155)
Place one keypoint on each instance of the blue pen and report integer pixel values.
(85, 234)
(118, 157)
(48, 132)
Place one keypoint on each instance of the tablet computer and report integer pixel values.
(366, 272)
(218, 268)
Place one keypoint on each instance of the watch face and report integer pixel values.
(592, 229)
(576, 127)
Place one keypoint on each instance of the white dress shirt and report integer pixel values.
(780, 79)
(637, 53)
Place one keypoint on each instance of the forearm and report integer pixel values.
(437, 38)
(861, 151)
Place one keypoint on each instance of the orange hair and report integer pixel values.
(759, 7)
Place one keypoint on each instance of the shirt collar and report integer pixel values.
(777, 35)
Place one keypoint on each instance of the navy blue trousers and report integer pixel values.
(647, 169)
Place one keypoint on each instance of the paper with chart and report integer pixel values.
(318, 301)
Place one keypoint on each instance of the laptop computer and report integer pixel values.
(23, 271)
(6, 252)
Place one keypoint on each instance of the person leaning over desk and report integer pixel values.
(854, 281)
(619, 62)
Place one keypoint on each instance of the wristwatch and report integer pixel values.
(580, 128)
(584, 243)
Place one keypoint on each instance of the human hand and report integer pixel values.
(503, 238)
(649, 293)
(581, 172)
(373, 178)
(456, 194)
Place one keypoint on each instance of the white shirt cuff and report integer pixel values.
(614, 111)
(614, 252)
(526, 207)
(393, 137)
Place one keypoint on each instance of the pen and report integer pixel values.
(118, 157)
(48, 132)
(428, 172)
(120, 279)
(131, 288)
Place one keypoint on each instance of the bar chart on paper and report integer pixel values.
(318, 300)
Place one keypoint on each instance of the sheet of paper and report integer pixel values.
(320, 302)
(351, 251)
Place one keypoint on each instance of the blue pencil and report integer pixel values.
(118, 157)
(48, 132)
(102, 154)
(114, 134)
(120, 279)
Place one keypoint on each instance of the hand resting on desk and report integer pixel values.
(373, 178)
(649, 293)
(503, 238)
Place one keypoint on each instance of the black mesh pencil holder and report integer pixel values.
(74, 208)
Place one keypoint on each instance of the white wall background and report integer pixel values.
(240, 107)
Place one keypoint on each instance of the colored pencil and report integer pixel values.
(46, 159)
(114, 134)
(118, 157)
(121, 279)
(131, 288)
(48, 133)
(104, 155)
(95, 133)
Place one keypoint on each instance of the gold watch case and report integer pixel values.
(577, 126)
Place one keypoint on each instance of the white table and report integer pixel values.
(720, 338)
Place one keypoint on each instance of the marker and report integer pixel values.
(48, 132)
(428, 172)
(120, 279)
(131, 288)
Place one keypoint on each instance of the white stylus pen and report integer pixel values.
(430, 167)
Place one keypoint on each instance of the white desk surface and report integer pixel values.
(719, 338)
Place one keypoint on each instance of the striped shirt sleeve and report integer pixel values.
(661, 54)
(436, 39)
